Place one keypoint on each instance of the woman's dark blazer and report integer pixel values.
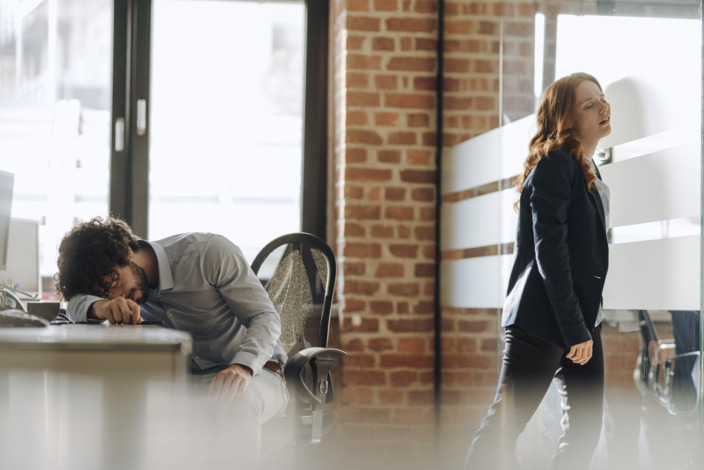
(561, 254)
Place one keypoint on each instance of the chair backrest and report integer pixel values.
(298, 271)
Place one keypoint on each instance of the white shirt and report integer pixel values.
(605, 196)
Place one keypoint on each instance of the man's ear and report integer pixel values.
(130, 253)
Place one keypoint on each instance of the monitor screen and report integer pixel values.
(22, 271)
(7, 183)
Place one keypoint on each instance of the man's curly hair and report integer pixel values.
(90, 254)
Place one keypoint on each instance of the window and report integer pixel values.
(55, 91)
(176, 115)
(226, 115)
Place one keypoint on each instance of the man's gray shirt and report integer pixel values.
(207, 289)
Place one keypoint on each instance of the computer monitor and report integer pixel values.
(7, 184)
(22, 271)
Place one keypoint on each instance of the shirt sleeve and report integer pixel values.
(78, 306)
(226, 269)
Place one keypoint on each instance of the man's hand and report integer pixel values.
(115, 311)
(230, 382)
(581, 353)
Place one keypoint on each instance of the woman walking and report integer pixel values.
(552, 313)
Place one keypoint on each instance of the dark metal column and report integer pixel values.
(438, 207)
(314, 170)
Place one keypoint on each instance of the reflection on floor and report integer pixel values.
(637, 435)
(640, 427)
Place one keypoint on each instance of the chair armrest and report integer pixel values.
(308, 373)
(661, 350)
(661, 379)
(669, 373)
(693, 354)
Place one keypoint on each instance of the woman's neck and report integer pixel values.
(589, 150)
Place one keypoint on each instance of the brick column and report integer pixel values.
(470, 336)
(384, 92)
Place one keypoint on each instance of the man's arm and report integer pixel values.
(84, 308)
(228, 271)
(78, 306)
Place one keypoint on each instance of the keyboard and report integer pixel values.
(17, 318)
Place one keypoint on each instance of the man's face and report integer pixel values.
(131, 284)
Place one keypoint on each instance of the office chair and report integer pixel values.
(298, 272)
(655, 373)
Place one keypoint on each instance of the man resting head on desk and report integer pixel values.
(196, 282)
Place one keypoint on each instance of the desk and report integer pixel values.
(89, 349)
(75, 396)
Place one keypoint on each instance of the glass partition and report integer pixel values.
(648, 57)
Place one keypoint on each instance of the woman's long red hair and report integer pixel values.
(555, 121)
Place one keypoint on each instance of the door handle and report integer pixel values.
(119, 134)
(141, 117)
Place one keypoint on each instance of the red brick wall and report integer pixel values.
(385, 69)
(385, 72)
(472, 70)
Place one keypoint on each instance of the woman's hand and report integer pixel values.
(581, 353)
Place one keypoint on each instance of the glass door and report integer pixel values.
(647, 56)
(226, 116)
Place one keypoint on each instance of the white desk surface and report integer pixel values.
(96, 336)
(76, 397)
